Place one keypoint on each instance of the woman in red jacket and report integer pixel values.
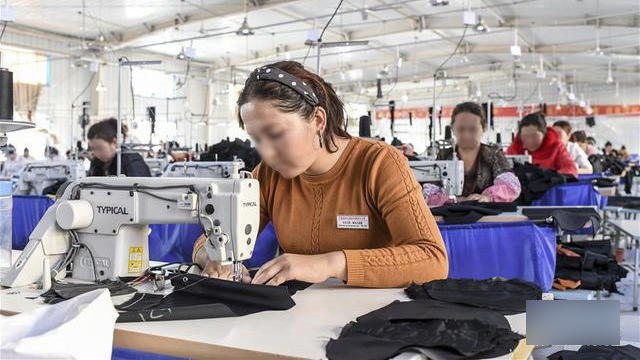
(543, 144)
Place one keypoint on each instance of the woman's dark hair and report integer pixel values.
(579, 137)
(534, 119)
(289, 101)
(608, 143)
(564, 125)
(472, 108)
(106, 130)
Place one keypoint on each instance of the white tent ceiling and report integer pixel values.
(564, 33)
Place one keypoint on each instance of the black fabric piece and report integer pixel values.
(600, 352)
(505, 296)
(604, 182)
(198, 297)
(440, 330)
(470, 211)
(567, 219)
(293, 285)
(226, 151)
(596, 268)
(132, 165)
(64, 291)
(53, 188)
(535, 181)
(628, 202)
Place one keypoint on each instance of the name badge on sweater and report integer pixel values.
(353, 221)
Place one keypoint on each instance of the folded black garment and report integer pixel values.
(505, 296)
(535, 181)
(64, 291)
(628, 202)
(462, 214)
(603, 182)
(570, 219)
(437, 329)
(198, 297)
(589, 352)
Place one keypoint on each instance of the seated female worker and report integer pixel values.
(103, 143)
(487, 174)
(543, 144)
(563, 128)
(315, 180)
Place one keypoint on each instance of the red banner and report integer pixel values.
(512, 111)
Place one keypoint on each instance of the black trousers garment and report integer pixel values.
(505, 296)
(197, 297)
(589, 352)
(438, 329)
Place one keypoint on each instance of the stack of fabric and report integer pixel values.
(447, 319)
(535, 181)
(587, 265)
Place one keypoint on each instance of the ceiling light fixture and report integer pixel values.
(245, 29)
(439, 2)
(480, 26)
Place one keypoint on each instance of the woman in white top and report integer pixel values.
(579, 156)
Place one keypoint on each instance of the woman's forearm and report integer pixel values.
(337, 265)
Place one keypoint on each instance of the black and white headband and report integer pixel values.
(266, 73)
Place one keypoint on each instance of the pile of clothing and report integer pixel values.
(228, 150)
(535, 181)
(606, 164)
(587, 265)
(627, 202)
(447, 319)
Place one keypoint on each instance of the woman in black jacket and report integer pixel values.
(103, 143)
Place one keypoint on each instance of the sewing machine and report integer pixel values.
(100, 225)
(156, 165)
(520, 159)
(35, 177)
(449, 174)
(205, 169)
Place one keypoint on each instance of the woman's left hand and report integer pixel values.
(309, 268)
(478, 198)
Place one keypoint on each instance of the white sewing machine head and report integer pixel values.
(156, 165)
(205, 169)
(101, 225)
(449, 174)
(520, 159)
(36, 176)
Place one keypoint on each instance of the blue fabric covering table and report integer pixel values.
(167, 242)
(119, 353)
(583, 177)
(571, 194)
(511, 250)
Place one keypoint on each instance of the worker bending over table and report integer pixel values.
(488, 177)
(341, 206)
(543, 144)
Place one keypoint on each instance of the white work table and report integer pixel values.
(300, 332)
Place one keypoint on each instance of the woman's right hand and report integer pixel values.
(225, 272)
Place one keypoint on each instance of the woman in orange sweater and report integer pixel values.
(342, 207)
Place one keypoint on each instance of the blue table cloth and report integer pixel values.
(572, 194)
(511, 250)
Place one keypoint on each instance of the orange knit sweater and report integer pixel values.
(369, 205)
